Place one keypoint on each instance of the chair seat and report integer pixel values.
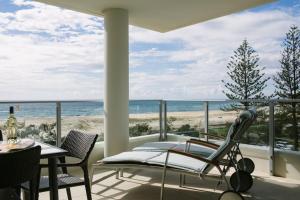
(63, 181)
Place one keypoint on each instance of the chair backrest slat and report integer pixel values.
(79, 145)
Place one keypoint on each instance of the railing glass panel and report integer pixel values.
(34, 120)
(220, 117)
(223, 113)
(143, 117)
(185, 118)
(84, 116)
(287, 127)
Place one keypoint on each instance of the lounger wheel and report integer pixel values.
(241, 181)
(231, 195)
(246, 164)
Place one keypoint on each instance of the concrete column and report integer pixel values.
(116, 94)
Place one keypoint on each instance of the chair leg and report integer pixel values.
(14, 193)
(87, 183)
(117, 173)
(121, 172)
(25, 195)
(162, 189)
(37, 183)
(92, 175)
(65, 171)
(32, 190)
(69, 193)
(18, 191)
(180, 180)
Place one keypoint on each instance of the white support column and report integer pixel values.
(116, 94)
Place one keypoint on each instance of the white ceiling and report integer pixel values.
(161, 15)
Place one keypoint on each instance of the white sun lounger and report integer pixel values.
(187, 163)
(198, 147)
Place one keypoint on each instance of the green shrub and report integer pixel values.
(185, 128)
(139, 129)
(170, 125)
(45, 132)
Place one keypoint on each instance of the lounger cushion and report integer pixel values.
(155, 158)
(156, 146)
(178, 161)
(131, 157)
(196, 149)
(164, 146)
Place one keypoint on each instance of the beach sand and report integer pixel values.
(95, 124)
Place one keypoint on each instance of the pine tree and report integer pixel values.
(247, 80)
(287, 80)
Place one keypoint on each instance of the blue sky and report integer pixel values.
(52, 53)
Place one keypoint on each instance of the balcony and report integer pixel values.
(269, 142)
(272, 142)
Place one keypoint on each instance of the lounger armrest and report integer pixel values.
(203, 143)
(191, 156)
(211, 135)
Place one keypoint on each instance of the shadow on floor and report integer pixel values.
(143, 184)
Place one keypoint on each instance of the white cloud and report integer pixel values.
(52, 53)
(207, 48)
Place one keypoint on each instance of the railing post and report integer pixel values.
(205, 120)
(58, 123)
(271, 138)
(161, 120)
(165, 120)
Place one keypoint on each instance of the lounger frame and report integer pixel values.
(229, 150)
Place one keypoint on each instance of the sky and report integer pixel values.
(49, 53)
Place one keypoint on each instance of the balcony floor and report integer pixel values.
(144, 184)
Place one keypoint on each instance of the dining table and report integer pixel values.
(48, 151)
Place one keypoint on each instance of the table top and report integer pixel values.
(48, 151)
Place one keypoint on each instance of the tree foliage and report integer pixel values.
(246, 79)
(287, 80)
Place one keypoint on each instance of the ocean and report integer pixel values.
(91, 108)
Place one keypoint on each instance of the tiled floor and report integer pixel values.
(145, 185)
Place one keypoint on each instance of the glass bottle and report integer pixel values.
(11, 126)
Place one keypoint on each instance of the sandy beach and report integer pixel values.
(95, 124)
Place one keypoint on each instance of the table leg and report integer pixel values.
(53, 178)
